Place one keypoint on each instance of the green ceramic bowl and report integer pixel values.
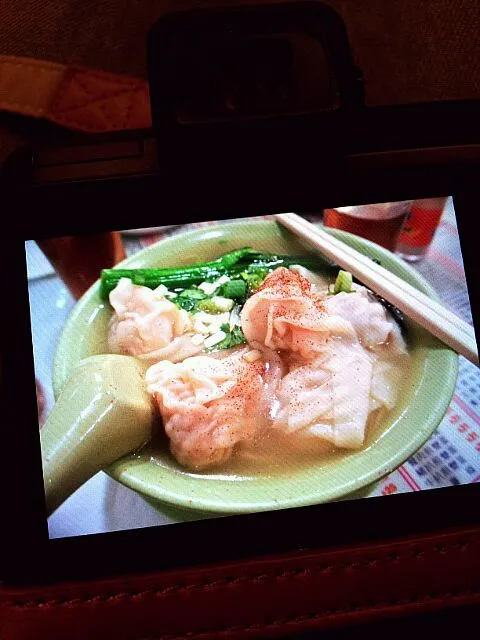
(429, 388)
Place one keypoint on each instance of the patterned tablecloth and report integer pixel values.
(451, 456)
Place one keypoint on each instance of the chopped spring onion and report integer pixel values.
(201, 327)
(193, 294)
(232, 338)
(217, 304)
(215, 339)
(209, 287)
(235, 320)
(161, 290)
(223, 304)
(254, 278)
(343, 283)
(252, 356)
(235, 289)
(212, 318)
(188, 299)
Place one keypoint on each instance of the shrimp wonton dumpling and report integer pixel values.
(285, 314)
(328, 398)
(367, 316)
(148, 325)
(342, 354)
(208, 405)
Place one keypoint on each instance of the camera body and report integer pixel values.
(254, 111)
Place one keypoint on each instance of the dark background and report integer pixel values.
(409, 50)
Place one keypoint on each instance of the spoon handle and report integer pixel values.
(103, 413)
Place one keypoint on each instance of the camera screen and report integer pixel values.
(219, 368)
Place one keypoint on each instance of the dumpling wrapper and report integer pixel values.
(368, 317)
(328, 398)
(343, 352)
(148, 325)
(285, 314)
(208, 405)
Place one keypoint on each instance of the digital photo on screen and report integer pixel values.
(226, 367)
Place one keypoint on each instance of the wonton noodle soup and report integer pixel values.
(285, 370)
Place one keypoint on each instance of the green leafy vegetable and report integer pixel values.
(188, 304)
(233, 338)
(183, 277)
(247, 264)
(192, 294)
(254, 277)
(188, 299)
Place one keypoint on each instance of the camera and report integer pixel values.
(256, 111)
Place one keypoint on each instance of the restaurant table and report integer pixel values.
(451, 455)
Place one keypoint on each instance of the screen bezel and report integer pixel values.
(29, 556)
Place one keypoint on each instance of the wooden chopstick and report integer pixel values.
(428, 313)
(388, 276)
(461, 327)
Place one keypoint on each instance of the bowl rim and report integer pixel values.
(131, 479)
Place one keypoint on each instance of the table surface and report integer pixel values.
(451, 456)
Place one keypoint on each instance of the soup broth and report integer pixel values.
(260, 370)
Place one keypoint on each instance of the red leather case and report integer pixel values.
(262, 597)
